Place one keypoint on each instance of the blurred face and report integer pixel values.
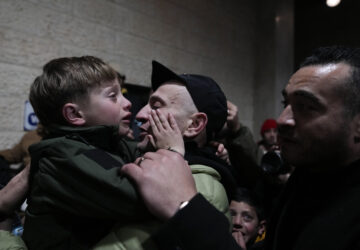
(107, 106)
(170, 98)
(245, 221)
(270, 136)
(314, 131)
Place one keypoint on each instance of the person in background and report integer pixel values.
(11, 197)
(242, 149)
(248, 219)
(269, 136)
(19, 153)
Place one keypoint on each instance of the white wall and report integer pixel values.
(211, 37)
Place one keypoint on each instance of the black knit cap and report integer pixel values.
(204, 91)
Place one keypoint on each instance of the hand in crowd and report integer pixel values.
(11, 197)
(166, 132)
(13, 194)
(233, 123)
(163, 179)
(221, 151)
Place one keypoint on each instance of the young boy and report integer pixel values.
(248, 219)
(76, 195)
(75, 192)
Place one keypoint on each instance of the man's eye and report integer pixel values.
(303, 107)
(155, 105)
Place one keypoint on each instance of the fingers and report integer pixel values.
(232, 109)
(158, 121)
(239, 238)
(132, 170)
(231, 106)
(220, 148)
(173, 123)
(151, 140)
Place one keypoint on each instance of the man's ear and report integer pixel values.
(72, 114)
(197, 124)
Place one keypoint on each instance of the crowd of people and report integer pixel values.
(195, 178)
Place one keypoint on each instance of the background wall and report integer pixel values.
(219, 38)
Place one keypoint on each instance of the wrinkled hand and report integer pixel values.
(221, 151)
(233, 123)
(166, 132)
(164, 180)
(239, 238)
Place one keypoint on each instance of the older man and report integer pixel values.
(200, 109)
(319, 133)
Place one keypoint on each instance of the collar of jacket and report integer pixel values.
(206, 156)
(105, 137)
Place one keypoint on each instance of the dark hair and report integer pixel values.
(65, 80)
(249, 197)
(350, 90)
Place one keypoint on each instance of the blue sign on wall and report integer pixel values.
(30, 119)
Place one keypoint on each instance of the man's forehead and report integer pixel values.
(322, 77)
(171, 91)
(315, 73)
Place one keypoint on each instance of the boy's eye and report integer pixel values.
(232, 213)
(247, 217)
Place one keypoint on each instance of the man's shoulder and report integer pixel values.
(203, 169)
(57, 145)
(207, 182)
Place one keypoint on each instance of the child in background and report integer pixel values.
(248, 219)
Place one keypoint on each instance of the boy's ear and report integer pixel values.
(261, 227)
(197, 123)
(72, 114)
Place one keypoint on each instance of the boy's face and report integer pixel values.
(107, 106)
(245, 221)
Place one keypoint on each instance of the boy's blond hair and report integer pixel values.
(68, 79)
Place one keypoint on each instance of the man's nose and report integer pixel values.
(286, 118)
(143, 114)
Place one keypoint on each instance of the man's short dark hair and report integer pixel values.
(350, 90)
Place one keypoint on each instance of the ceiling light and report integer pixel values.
(332, 3)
